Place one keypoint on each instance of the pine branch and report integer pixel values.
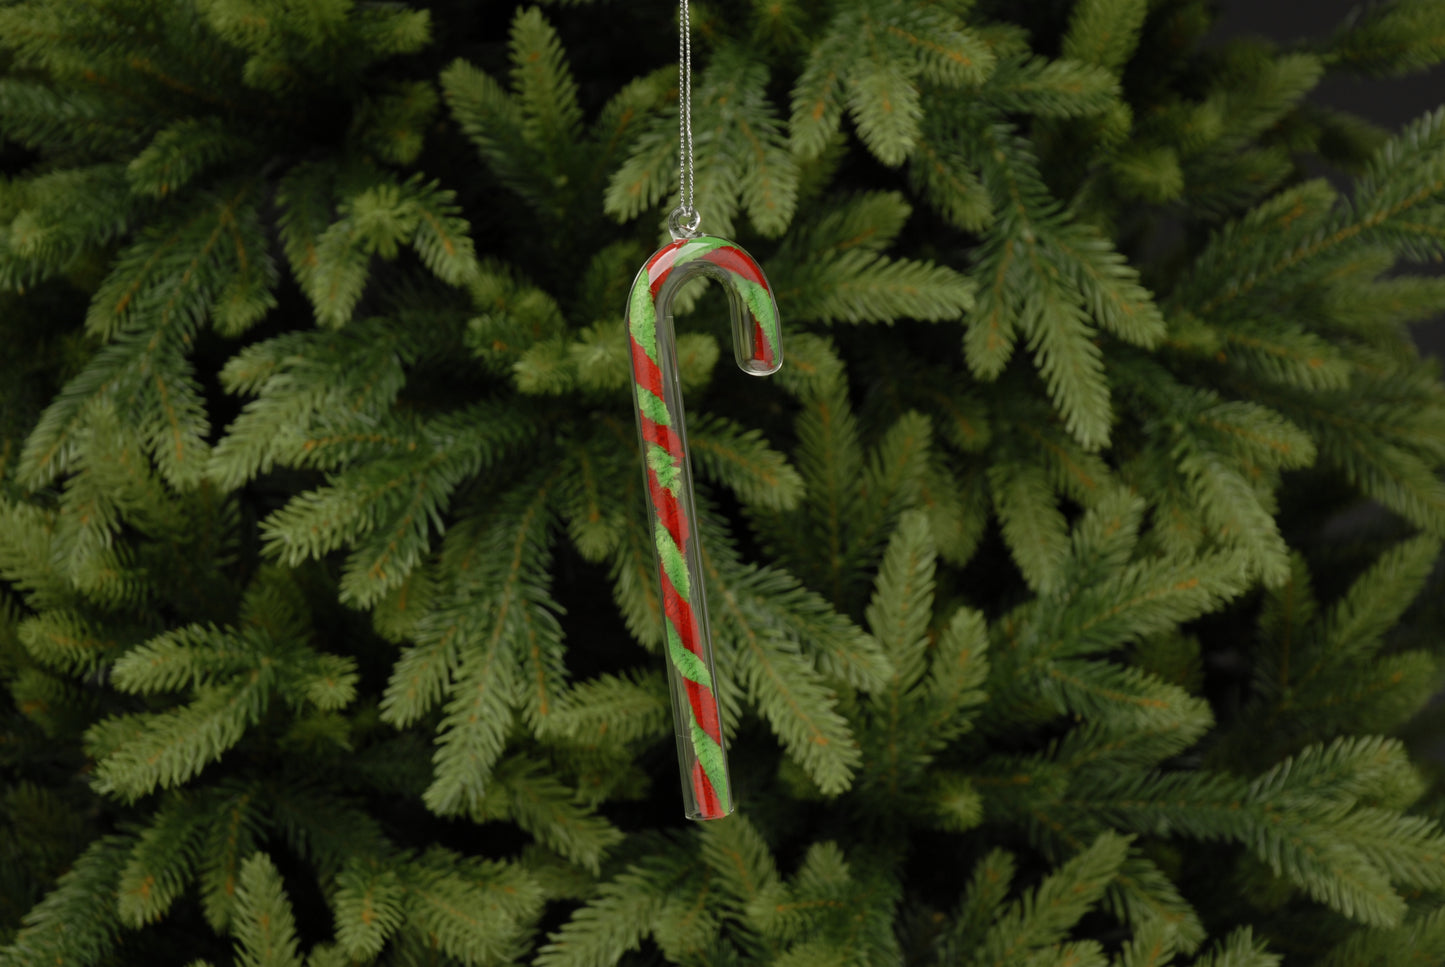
(264, 926)
(634, 571)
(1385, 449)
(829, 455)
(1301, 818)
(871, 57)
(546, 92)
(744, 461)
(1041, 276)
(1379, 597)
(392, 123)
(959, 669)
(478, 714)
(232, 832)
(901, 608)
(38, 114)
(56, 218)
(890, 484)
(780, 682)
(627, 708)
(910, 720)
(619, 917)
(1033, 526)
(1041, 918)
(153, 305)
(384, 510)
(1052, 88)
(140, 753)
(739, 857)
(618, 124)
(181, 151)
(958, 510)
(162, 863)
(503, 619)
(689, 920)
(1143, 896)
(1392, 39)
(376, 216)
(867, 288)
(368, 906)
(26, 561)
(743, 161)
(1123, 698)
(524, 793)
(1104, 32)
(594, 524)
(1420, 936)
(67, 640)
(1407, 164)
(324, 826)
(68, 925)
(1240, 949)
(1304, 656)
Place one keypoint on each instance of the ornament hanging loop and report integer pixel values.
(681, 224)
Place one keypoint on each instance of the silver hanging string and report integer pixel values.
(686, 219)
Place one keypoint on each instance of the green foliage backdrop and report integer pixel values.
(329, 627)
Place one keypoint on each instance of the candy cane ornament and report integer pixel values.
(757, 345)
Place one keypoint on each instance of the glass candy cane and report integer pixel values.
(757, 346)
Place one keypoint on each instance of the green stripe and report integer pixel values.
(691, 667)
(761, 304)
(642, 316)
(672, 563)
(668, 471)
(714, 763)
(652, 406)
(698, 247)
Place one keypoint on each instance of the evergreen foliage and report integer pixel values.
(1075, 585)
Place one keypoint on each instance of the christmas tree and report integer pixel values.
(1050, 629)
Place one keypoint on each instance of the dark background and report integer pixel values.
(1389, 102)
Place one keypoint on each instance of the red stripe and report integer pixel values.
(708, 804)
(680, 613)
(704, 708)
(667, 509)
(737, 262)
(660, 265)
(644, 370)
(684, 621)
(659, 434)
(664, 255)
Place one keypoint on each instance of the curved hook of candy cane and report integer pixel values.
(757, 345)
